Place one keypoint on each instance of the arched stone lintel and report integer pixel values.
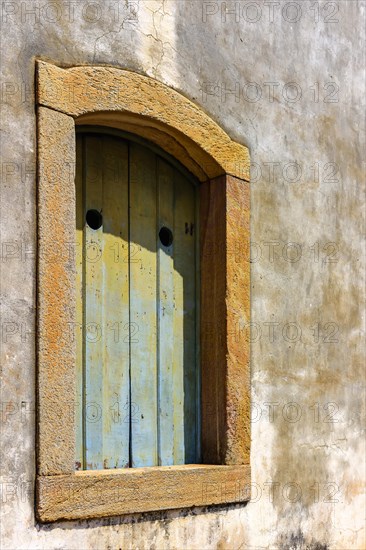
(123, 99)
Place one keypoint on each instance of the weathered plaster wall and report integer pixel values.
(307, 286)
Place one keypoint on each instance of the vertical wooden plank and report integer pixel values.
(115, 289)
(185, 373)
(166, 307)
(143, 315)
(93, 308)
(78, 329)
(198, 322)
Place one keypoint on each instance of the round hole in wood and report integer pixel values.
(166, 236)
(94, 219)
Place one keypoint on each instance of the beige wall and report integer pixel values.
(288, 82)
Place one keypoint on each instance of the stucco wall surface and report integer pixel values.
(287, 80)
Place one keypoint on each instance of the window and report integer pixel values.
(137, 306)
(67, 100)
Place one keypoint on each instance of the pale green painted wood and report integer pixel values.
(141, 296)
(114, 158)
(185, 367)
(78, 332)
(93, 308)
(143, 306)
(106, 305)
(177, 319)
(166, 335)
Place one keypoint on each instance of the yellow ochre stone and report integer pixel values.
(204, 148)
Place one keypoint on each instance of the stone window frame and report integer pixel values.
(122, 99)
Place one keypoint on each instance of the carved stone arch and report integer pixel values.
(108, 96)
(123, 99)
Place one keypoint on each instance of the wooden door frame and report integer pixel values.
(118, 98)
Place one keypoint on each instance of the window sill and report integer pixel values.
(101, 493)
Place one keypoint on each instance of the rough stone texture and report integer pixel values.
(237, 317)
(177, 44)
(225, 309)
(114, 492)
(56, 301)
(83, 90)
(213, 265)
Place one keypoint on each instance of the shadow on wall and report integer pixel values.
(297, 541)
(163, 516)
